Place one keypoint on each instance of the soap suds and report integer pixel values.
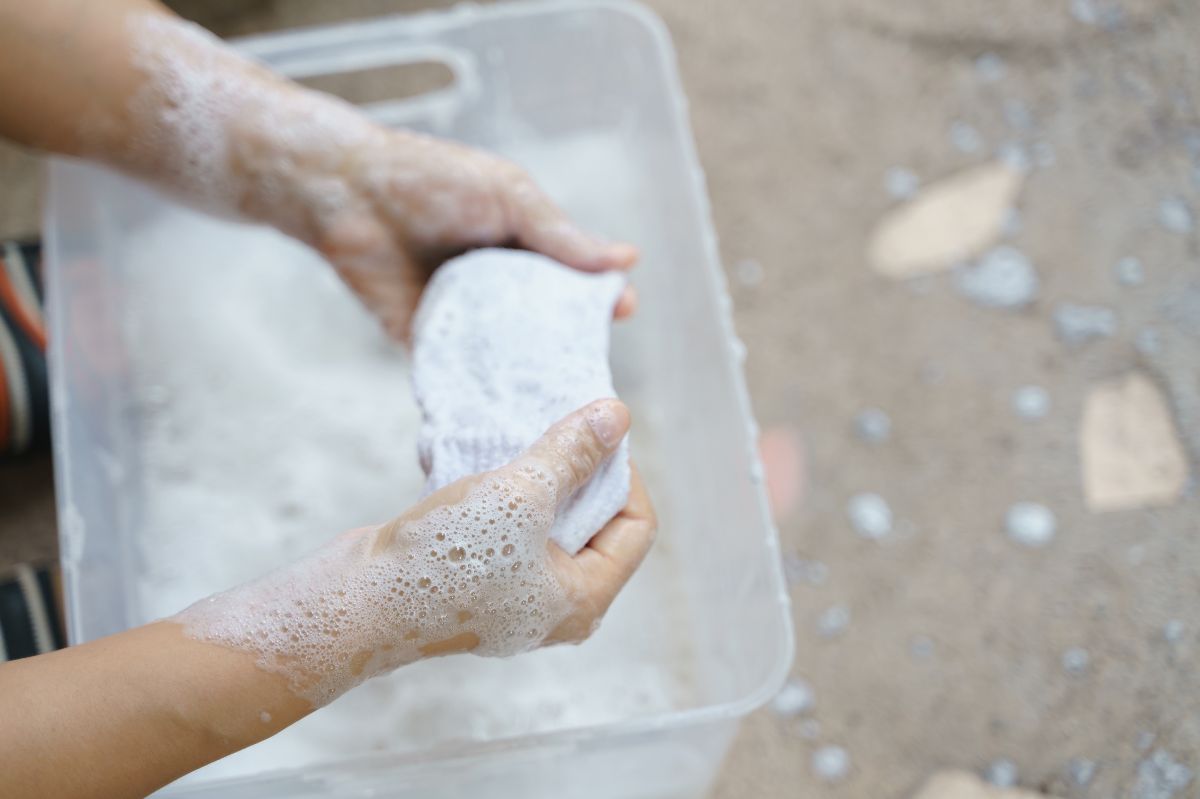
(473, 575)
(271, 412)
(506, 343)
(230, 136)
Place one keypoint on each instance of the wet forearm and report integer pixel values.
(126, 714)
(64, 62)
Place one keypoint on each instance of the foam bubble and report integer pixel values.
(470, 575)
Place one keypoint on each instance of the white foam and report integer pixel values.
(273, 413)
(376, 599)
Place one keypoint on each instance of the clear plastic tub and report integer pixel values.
(532, 80)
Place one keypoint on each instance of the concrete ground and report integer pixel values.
(949, 643)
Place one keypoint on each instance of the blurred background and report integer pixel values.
(960, 239)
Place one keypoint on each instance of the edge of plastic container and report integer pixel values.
(70, 532)
(432, 22)
(265, 45)
(719, 285)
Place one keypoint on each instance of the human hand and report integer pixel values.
(468, 569)
(385, 207)
(414, 201)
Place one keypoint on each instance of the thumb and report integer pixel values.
(569, 453)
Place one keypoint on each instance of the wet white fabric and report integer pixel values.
(505, 343)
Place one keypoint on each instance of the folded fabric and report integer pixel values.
(505, 343)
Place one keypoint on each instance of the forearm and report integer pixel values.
(127, 83)
(126, 714)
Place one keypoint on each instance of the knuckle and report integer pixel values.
(532, 479)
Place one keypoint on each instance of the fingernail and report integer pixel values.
(609, 421)
(624, 255)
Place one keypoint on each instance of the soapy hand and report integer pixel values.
(384, 206)
(415, 201)
(468, 569)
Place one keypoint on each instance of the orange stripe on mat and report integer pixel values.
(5, 418)
(9, 297)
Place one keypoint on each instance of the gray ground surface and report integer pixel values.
(800, 108)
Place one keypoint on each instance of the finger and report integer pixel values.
(614, 553)
(569, 453)
(540, 225)
(627, 304)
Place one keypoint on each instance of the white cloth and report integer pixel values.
(505, 343)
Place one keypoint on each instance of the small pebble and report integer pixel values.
(1101, 13)
(1031, 402)
(1043, 154)
(1148, 341)
(1129, 272)
(833, 621)
(1015, 155)
(990, 67)
(793, 699)
(1002, 773)
(264, 717)
(1176, 215)
(1173, 631)
(1030, 524)
(1017, 115)
(1078, 324)
(1160, 776)
(1002, 278)
(1085, 11)
(873, 425)
(1012, 224)
(749, 272)
(1082, 770)
(1075, 660)
(901, 183)
(921, 647)
(831, 763)
(870, 516)
(965, 138)
(797, 570)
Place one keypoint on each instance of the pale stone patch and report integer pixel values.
(964, 785)
(1129, 449)
(952, 220)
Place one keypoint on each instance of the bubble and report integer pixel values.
(833, 621)
(1078, 324)
(1075, 661)
(347, 627)
(1003, 278)
(831, 763)
(793, 699)
(990, 67)
(901, 183)
(965, 137)
(1175, 215)
(1031, 402)
(870, 515)
(873, 425)
(1129, 271)
(1030, 524)
(1002, 773)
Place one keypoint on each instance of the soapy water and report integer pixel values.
(273, 414)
